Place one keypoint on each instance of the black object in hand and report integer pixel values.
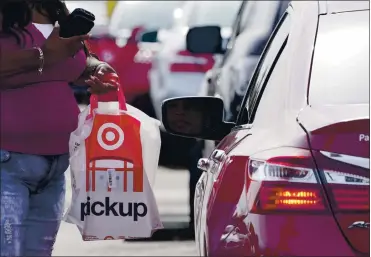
(79, 22)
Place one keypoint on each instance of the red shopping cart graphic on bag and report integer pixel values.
(114, 153)
(114, 139)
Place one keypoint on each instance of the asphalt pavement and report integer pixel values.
(171, 191)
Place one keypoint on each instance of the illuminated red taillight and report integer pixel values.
(288, 179)
(185, 61)
(281, 198)
(286, 183)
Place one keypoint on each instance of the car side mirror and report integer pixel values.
(205, 40)
(195, 117)
(148, 37)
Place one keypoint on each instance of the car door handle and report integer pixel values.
(217, 155)
(203, 164)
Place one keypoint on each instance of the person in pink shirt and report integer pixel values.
(38, 112)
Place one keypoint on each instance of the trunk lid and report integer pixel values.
(341, 129)
(339, 138)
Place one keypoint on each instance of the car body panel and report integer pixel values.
(206, 191)
(340, 127)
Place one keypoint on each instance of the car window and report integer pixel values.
(263, 70)
(260, 13)
(153, 15)
(273, 97)
(247, 14)
(221, 13)
(340, 71)
(235, 30)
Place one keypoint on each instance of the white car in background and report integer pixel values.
(151, 15)
(176, 72)
(230, 77)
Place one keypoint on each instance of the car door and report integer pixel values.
(226, 165)
(211, 83)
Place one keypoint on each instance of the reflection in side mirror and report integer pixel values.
(205, 40)
(196, 117)
(148, 37)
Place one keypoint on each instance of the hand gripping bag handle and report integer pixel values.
(94, 99)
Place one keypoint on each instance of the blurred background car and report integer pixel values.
(293, 171)
(230, 76)
(121, 39)
(177, 72)
(133, 58)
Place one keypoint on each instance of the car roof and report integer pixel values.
(344, 6)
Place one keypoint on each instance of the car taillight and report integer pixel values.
(347, 185)
(287, 179)
(286, 182)
(185, 61)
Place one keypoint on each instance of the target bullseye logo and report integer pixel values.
(110, 136)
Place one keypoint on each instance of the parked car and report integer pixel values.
(133, 58)
(291, 175)
(250, 34)
(177, 72)
(229, 78)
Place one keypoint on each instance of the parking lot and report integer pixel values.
(173, 206)
(255, 115)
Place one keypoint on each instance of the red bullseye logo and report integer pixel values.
(110, 136)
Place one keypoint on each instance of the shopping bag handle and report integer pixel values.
(120, 97)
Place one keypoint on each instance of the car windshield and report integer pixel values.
(150, 14)
(340, 71)
(222, 13)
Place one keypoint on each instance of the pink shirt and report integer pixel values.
(39, 118)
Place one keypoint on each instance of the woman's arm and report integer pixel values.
(18, 62)
(54, 49)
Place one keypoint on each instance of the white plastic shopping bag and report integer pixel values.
(114, 155)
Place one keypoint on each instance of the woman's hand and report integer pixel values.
(56, 48)
(103, 81)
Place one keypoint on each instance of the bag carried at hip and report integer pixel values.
(114, 155)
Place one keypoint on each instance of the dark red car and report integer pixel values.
(291, 177)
